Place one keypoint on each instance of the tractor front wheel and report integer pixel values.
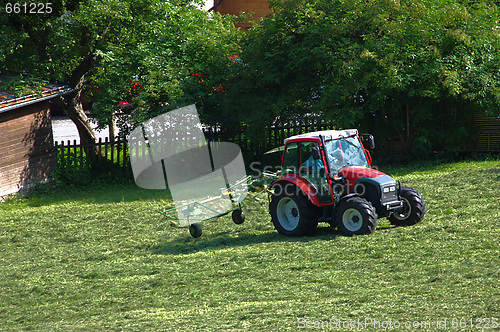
(413, 210)
(355, 216)
(292, 213)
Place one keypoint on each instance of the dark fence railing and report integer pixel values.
(73, 153)
(268, 138)
(117, 152)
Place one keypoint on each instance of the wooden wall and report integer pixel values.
(488, 138)
(27, 155)
(260, 8)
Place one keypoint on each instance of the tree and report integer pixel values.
(180, 60)
(395, 68)
(115, 44)
(62, 44)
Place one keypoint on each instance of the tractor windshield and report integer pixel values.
(345, 152)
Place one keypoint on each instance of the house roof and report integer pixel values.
(9, 101)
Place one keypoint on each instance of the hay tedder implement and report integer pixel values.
(229, 200)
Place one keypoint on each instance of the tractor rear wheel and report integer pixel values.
(292, 213)
(355, 216)
(413, 210)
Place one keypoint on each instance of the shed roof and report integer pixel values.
(9, 101)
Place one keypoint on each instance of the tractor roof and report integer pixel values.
(327, 134)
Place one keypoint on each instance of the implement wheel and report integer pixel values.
(195, 230)
(238, 216)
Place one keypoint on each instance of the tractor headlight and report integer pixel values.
(389, 193)
(389, 189)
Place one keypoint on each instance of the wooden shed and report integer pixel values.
(27, 154)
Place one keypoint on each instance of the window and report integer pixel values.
(299, 160)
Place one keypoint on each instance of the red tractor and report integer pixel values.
(326, 176)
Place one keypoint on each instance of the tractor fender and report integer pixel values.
(343, 198)
(300, 183)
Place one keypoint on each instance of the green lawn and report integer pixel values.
(105, 260)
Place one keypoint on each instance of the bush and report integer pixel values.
(86, 174)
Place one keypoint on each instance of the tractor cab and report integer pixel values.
(329, 161)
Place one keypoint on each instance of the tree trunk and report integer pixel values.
(74, 110)
(73, 107)
(112, 128)
(408, 136)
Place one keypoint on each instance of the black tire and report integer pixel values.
(238, 216)
(292, 213)
(413, 210)
(195, 230)
(356, 216)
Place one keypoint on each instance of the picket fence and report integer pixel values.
(73, 153)
(117, 152)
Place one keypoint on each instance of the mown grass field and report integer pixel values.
(104, 260)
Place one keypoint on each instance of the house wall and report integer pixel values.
(27, 155)
(260, 8)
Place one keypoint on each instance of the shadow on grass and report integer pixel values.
(493, 171)
(221, 240)
(98, 194)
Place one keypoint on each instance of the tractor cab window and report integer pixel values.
(291, 162)
(301, 158)
(308, 163)
(345, 152)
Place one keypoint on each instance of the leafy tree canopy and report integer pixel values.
(405, 70)
(154, 53)
(181, 59)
